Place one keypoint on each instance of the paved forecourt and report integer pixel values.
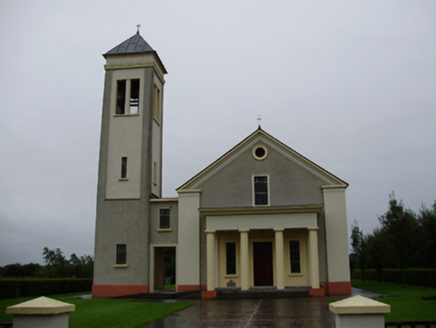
(292, 312)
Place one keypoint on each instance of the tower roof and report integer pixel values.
(134, 45)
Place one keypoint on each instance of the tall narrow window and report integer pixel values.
(294, 249)
(123, 167)
(164, 218)
(121, 97)
(134, 96)
(261, 190)
(230, 258)
(121, 254)
(155, 174)
(156, 105)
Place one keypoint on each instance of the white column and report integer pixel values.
(244, 260)
(279, 259)
(313, 257)
(210, 243)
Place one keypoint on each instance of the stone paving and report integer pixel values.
(284, 312)
(290, 312)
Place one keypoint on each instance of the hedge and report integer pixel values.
(418, 277)
(10, 288)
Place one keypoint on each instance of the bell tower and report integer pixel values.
(130, 167)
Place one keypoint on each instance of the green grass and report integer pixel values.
(406, 303)
(106, 312)
(169, 286)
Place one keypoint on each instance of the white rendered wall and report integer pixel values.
(188, 246)
(336, 234)
(266, 221)
(125, 140)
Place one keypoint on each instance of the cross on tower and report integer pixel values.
(259, 119)
(138, 26)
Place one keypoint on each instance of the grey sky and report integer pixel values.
(350, 85)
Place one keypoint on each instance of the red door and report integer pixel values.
(263, 264)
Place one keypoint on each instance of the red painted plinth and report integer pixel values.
(339, 288)
(207, 295)
(317, 292)
(187, 288)
(106, 291)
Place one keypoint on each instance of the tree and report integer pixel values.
(81, 267)
(400, 227)
(57, 266)
(376, 251)
(427, 234)
(358, 243)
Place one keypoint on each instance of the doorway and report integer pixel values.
(164, 268)
(263, 264)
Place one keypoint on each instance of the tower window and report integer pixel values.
(156, 105)
(230, 258)
(127, 97)
(261, 190)
(123, 167)
(121, 254)
(294, 249)
(134, 96)
(164, 218)
(121, 97)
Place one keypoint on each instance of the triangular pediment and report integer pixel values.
(260, 137)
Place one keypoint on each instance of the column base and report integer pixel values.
(338, 287)
(317, 292)
(209, 294)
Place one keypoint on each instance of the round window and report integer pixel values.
(259, 152)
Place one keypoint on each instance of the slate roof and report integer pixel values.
(134, 45)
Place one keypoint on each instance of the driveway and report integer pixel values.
(290, 312)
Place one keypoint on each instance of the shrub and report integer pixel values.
(10, 288)
(418, 277)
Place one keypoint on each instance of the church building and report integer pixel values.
(262, 216)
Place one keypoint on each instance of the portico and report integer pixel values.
(275, 247)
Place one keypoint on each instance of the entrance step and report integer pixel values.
(159, 295)
(262, 292)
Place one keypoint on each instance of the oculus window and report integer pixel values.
(260, 190)
(260, 152)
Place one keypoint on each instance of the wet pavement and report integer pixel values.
(285, 312)
(288, 312)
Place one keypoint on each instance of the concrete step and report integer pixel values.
(262, 292)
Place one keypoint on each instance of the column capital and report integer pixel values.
(209, 231)
(312, 228)
(279, 229)
(244, 230)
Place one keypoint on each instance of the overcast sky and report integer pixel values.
(349, 84)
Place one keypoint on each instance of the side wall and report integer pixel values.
(188, 248)
(337, 241)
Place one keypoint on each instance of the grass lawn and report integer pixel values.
(106, 312)
(406, 303)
